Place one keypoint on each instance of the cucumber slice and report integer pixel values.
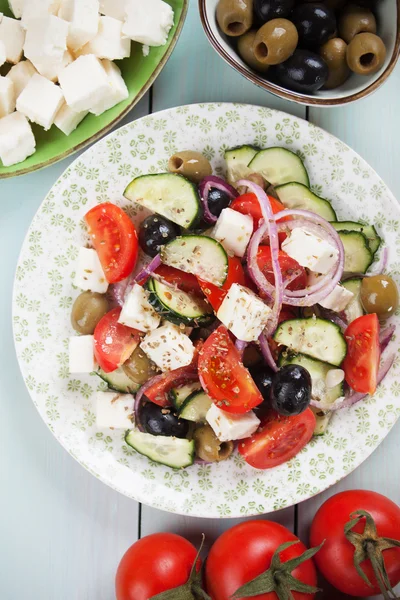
(354, 309)
(279, 166)
(237, 160)
(170, 451)
(169, 195)
(196, 407)
(119, 381)
(318, 338)
(177, 396)
(203, 256)
(357, 255)
(178, 306)
(374, 241)
(322, 421)
(297, 195)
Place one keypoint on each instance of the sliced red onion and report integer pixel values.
(118, 291)
(148, 270)
(386, 335)
(152, 381)
(266, 352)
(334, 317)
(252, 264)
(240, 347)
(204, 189)
(379, 267)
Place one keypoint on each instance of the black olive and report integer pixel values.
(315, 24)
(162, 421)
(265, 10)
(304, 72)
(291, 390)
(217, 201)
(263, 377)
(154, 232)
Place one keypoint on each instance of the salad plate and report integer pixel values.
(44, 293)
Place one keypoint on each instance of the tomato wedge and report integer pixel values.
(184, 281)
(224, 377)
(113, 342)
(214, 294)
(115, 240)
(278, 439)
(361, 364)
(287, 264)
(247, 204)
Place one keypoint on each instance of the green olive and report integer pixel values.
(190, 164)
(208, 446)
(355, 19)
(379, 294)
(334, 54)
(139, 367)
(366, 54)
(275, 41)
(235, 17)
(88, 309)
(246, 51)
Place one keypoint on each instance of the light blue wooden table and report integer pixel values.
(62, 532)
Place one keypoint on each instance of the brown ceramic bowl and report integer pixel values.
(356, 87)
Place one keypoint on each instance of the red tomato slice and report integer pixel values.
(278, 439)
(361, 364)
(113, 342)
(287, 264)
(214, 294)
(115, 240)
(224, 377)
(247, 204)
(184, 281)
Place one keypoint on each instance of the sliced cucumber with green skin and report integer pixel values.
(237, 160)
(177, 396)
(279, 166)
(168, 194)
(322, 421)
(357, 254)
(318, 338)
(374, 241)
(196, 407)
(297, 195)
(178, 306)
(170, 451)
(197, 254)
(354, 309)
(119, 381)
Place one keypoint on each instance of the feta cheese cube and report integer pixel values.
(84, 83)
(150, 25)
(137, 311)
(7, 97)
(12, 35)
(168, 347)
(3, 54)
(40, 101)
(67, 120)
(17, 7)
(114, 410)
(34, 9)
(228, 426)
(339, 297)
(310, 251)
(81, 354)
(243, 313)
(20, 74)
(17, 141)
(108, 43)
(89, 273)
(117, 90)
(114, 8)
(234, 231)
(83, 16)
(46, 44)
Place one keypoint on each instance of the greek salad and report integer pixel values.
(256, 316)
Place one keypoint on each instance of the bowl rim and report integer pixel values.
(292, 95)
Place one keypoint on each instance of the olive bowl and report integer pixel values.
(355, 88)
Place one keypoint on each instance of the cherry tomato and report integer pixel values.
(247, 204)
(278, 439)
(214, 294)
(184, 281)
(155, 564)
(335, 560)
(287, 264)
(361, 364)
(113, 342)
(115, 240)
(223, 375)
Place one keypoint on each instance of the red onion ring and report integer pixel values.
(148, 270)
(205, 186)
(241, 347)
(334, 317)
(385, 336)
(266, 352)
(381, 265)
(118, 291)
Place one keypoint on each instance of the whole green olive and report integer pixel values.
(208, 447)
(379, 294)
(334, 54)
(235, 17)
(355, 19)
(139, 367)
(365, 54)
(246, 51)
(88, 309)
(190, 164)
(275, 41)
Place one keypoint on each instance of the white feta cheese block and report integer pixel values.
(20, 74)
(81, 354)
(12, 34)
(34, 9)
(40, 101)
(46, 44)
(114, 8)
(3, 54)
(89, 274)
(149, 25)
(234, 231)
(228, 426)
(115, 410)
(337, 300)
(108, 43)
(83, 16)
(17, 141)
(117, 90)
(243, 313)
(17, 7)
(310, 251)
(67, 120)
(84, 83)
(137, 311)
(7, 97)
(168, 347)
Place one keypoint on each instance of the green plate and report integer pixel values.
(139, 73)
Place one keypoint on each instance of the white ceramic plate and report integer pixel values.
(43, 296)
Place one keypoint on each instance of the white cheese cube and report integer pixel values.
(7, 97)
(51, 71)
(40, 101)
(20, 75)
(339, 297)
(12, 35)
(35, 9)
(234, 231)
(84, 83)
(310, 251)
(243, 313)
(46, 44)
(67, 120)
(108, 43)
(17, 141)
(137, 311)
(83, 16)
(117, 90)
(17, 7)
(3, 54)
(150, 24)
(168, 347)
(114, 8)
(115, 410)
(228, 426)
(89, 274)
(81, 354)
